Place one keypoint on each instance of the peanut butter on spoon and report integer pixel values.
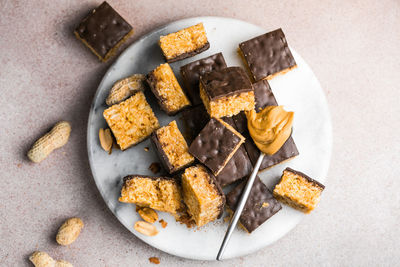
(270, 128)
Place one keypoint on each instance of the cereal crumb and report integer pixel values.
(146, 149)
(154, 260)
(186, 219)
(155, 167)
(163, 223)
(19, 165)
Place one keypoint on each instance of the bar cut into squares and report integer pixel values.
(195, 118)
(159, 193)
(259, 207)
(267, 55)
(298, 190)
(191, 74)
(226, 92)
(216, 144)
(103, 31)
(236, 168)
(167, 90)
(184, 43)
(202, 195)
(131, 121)
(172, 148)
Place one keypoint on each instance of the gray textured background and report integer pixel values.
(46, 75)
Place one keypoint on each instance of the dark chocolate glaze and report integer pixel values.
(214, 144)
(267, 54)
(254, 214)
(152, 82)
(191, 74)
(237, 167)
(228, 81)
(103, 28)
(195, 119)
(287, 151)
(305, 176)
(189, 54)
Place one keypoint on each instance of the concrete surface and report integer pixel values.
(47, 75)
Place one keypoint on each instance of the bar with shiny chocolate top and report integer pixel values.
(226, 92)
(267, 55)
(216, 144)
(191, 74)
(103, 31)
(259, 207)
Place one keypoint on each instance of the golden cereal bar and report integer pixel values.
(131, 121)
(167, 90)
(184, 43)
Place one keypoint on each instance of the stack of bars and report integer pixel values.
(216, 150)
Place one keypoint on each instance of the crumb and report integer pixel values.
(155, 167)
(146, 149)
(265, 204)
(154, 260)
(186, 219)
(19, 165)
(163, 223)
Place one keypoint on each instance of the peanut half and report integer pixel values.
(42, 259)
(125, 88)
(106, 140)
(56, 138)
(69, 231)
(146, 228)
(148, 214)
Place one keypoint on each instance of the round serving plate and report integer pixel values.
(298, 90)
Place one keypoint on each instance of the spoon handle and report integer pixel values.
(240, 207)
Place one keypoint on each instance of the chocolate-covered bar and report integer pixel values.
(267, 55)
(195, 118)
(226, 92)
(103, 31)
(237, 167)
(298, 190)
(123, 120)
(171, 147)
(263, 98)
(184, 43)
(191, 74)
(216, 144)
(259, 207)
(202, 195)
(159, 193)
(167, 90)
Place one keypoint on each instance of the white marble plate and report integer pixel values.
(298, 90)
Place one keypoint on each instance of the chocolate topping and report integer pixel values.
(191, 74)
(214, 145)
(287, 151)
(305, 176)
(229, 81)
(267, 54)
(137, 176)
(237, 167)
(260, 205)
(195, 119)
(103, 28)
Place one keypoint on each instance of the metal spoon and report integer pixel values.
(240, 207)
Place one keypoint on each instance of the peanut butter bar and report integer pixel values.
(159, 193)
(267, 55)
(184, 43)
(216, 144)
(298, 190)
(103, 31)
(259, 207)
(202, 195)
(191, 74)
(167, 90)
(131, 121)
(171, 147)
(226, 92)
